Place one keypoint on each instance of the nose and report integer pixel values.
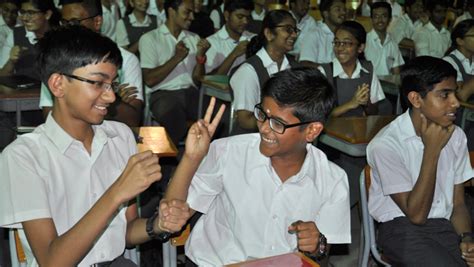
(109, 96)
(191, 16)
(264, 126)
(455, 101)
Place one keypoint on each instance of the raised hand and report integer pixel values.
(307, 234)
(361, 96)
(172, 215)
(201, 132)
(433, 135)
(240, 48)
(141, 171)
(127, 93)
(181, 51)
(202, 47)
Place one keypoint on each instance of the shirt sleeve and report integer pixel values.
(246, 88)
(216, 19)
(132, 74)
(211, 55)
(376, 91)
(121, 34)
(46, 98)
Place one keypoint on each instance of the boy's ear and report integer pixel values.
(98, 23)
(415, 99)
(313, 130)
(55, 84)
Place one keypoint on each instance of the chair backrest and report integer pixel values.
(20, 253)
(369, 244)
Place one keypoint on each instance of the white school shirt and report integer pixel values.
(464, 16)
(402, 28)
(9, 44)
(395, 155)
(376, 92)
(247, 209)
(130, 73)
(307, 26)
(216, 19)
(4, 32)
(221, 46)
(158, 46)
(317, 47)
(49, 174)
(384, 57)
(256, 16)
(245, 84)
(397, 10)
(153, 10)
(468, 66)
(121, 31)
(431, 42)
(110, 19)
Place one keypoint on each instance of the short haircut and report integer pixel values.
(325, 5)
(385, 5)
(93, 7)
(174, 4)
(421, 75)
(65, 49)
(431, 4)
(305, 90)
(232, 5)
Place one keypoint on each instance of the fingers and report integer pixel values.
(307, 234)
(173, 215)
(209, 110)
(217, 118)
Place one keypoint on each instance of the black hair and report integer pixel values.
(45, 5)
(15, 2)
(469, 3)
(421, 74)
(271, 20)
(65, 49)
(325, 5)
(357, 30)
(385, 5)
(431, 4)
(93, 7)
(305, 90)
(409, 3)
(174, 4)
(459, 31)
(232, 5)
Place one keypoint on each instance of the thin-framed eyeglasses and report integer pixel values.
(290, 29)
(342, 43)
(276, 125)
(74, 22)
(104, 86)
(28, 13)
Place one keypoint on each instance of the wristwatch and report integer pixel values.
(466, 237)
(163, 236)
(321, 250)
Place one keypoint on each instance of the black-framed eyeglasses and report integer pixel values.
(28, 13)
(74, 22)
(104, 86)
(342, 43)
(290, 29)
(276, 125)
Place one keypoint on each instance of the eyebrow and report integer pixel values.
(103, 75)
(274, 117)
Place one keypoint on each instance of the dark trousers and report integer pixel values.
(435, 243)
(173, 108)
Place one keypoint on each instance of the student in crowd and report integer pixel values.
(248, 186)
(397, 10)
(419, 164)
(110, 16)
(70, 186)
(403, 28)
(257, 16)
(432, 38)
(168, 57)
(131, 27)
(156, 8)
(129, 104)
(8, 20)
(202, 24)
(38, 17)
(317, 48)
(358, 88)
(304, 22)
(468, 13)
(228, 45)
(380, 48)
(460, 56)
(217, 15)
(266, 55)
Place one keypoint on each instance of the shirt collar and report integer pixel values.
(134, 20)
(431, 27)
(375, 37)
(407, 130)
(2, 21)
(31, 36)
(224, 35)
(337, 69)
(164, 30)
(461, 57)
(267, 60)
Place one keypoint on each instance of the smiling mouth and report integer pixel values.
(270, 141)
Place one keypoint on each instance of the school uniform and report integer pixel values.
(403, 27)
(307, 26)
(26, 64)
(129, 29)
(429, 41)
(317, 47)
(384, 56)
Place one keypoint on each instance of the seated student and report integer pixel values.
(167, 57)
(460, 56)
(468, 14)
(128, 107)
(266, 55)
(317, 48)
(8, 20)
(71, 184)
(271, 192)
(217, 15)
(156, 8)
(202, 24)
(257, 15)
(131, 27)
(304, 22)
(380, 48)
(432, 38)
(38, 16)
(403, 28)
(419, 164)
(358, 88)
(228, 45)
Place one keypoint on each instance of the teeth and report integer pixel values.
(268, 140)
(100, 107)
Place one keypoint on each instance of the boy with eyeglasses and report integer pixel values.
(271, 192)
(71, 184)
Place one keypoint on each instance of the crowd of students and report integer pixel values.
(71, 184)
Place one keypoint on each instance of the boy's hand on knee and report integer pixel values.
(433, 135)
(173, 215)
(467, 250)
(307, 234)
(141, 171)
